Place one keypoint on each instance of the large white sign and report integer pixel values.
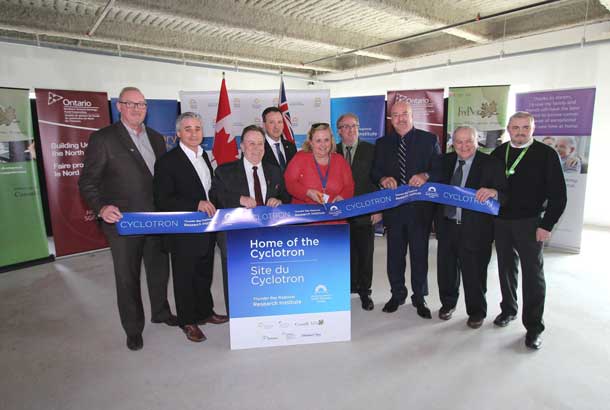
(306, 107)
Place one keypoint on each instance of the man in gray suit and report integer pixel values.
(117, 176)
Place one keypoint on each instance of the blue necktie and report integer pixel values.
(280, 156)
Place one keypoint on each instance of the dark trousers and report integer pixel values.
(455, 259)
(362, 245)
(413, 234)
(193, 272)
(222, 244)
(127, 254)
(516, 240)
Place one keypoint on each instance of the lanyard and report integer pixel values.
(323, 179)
(510, 171)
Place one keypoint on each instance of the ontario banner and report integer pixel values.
(484, 108)
(563, 120)
(428, 109)
(22, 232)
(66, 119)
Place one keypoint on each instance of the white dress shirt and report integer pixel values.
(272, 143)
(200, 166)
(250, 177)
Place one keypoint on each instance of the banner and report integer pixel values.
(370, 111)
(22, 233)
(306, 107)
(66, 119)
(289, 285)
(484, 108)
(160, 115)
(144, 223)
(428, 109)
(563, 120)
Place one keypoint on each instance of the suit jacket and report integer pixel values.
(423, 155)
(177, 188)
(362, 163)
(485, 172)
(115, 173)
(289, 147)
(230, 183)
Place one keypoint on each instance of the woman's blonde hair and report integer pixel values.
(319, 126)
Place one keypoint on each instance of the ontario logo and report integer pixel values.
(53, 98)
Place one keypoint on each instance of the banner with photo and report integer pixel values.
(306, 107)
(22, 233)
(370, 111)
(564, 119)
(428, 109)
(160, 115)
(289, 285)
(66, 119)
(484, 108)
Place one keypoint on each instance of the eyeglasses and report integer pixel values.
(320, 124)
(132, 105)
(348, 127)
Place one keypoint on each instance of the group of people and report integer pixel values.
(127, 169)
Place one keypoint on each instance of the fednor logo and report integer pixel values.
(53, 98)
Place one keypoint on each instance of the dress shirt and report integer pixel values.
(272, 143)
(465, 172)
(250, 177)
(200, 166)
(142, 143)
(353, 152)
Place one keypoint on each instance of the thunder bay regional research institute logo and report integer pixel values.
(431, 192)
(53, 98)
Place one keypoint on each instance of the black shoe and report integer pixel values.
(533, 340)
(392, 305)
(422, 309)
(502, 320)
(171, 320)
(135, 342)
(367, 302)
(475, 322)
(445, 313)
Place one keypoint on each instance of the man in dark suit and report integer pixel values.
(117, 176)
(360, 156)
(464, 236)
(247, 182)
(278, 151)
(407, 156)
(183, 178)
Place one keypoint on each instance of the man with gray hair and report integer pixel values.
(566, 148)
(536, 200)
(464, 236)
(183, 178)
(359, 155)
(117, 177)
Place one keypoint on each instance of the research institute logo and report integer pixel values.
(431, 192)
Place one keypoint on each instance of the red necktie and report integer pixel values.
(258, 193)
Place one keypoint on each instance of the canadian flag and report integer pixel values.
(225, 146)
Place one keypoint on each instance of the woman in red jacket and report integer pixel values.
(317, 174)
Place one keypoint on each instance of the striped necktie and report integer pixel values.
(402, 160)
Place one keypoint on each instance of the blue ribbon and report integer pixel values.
(142, 223)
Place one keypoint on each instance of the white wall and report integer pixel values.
(31, 67)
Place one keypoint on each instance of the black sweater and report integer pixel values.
(536, 186)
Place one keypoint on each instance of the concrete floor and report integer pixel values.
(62, 347)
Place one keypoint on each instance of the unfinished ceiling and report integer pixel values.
(308, 37)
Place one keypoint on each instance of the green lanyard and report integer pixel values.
(510, 171)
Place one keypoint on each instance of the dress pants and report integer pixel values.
(455, 259)
(362, 245)
(222, 244)
(193, 271)
(413, 234)
(127, 254)
(516, 240)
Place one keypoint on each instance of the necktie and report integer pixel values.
(348, 155)
(258, 193)
(456, 180)
(280, 156)
(402, 160)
